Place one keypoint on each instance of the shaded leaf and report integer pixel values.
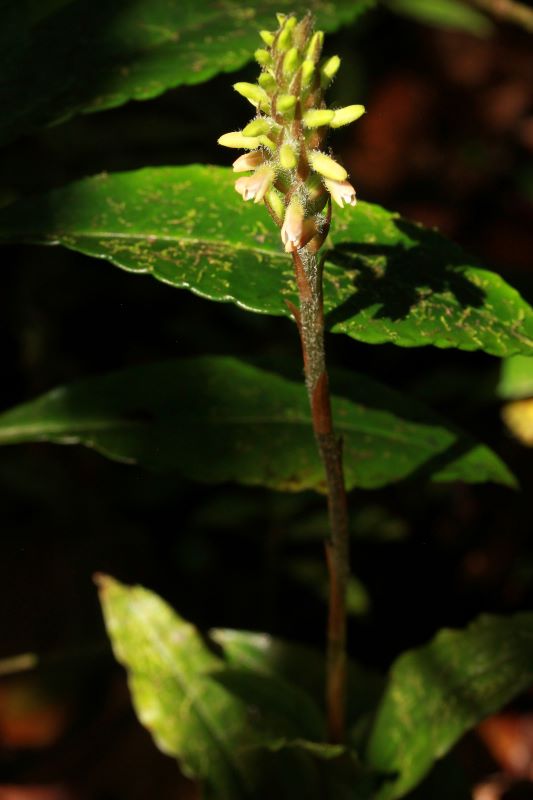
(300, 665)
(387, 280)
(218, 419)
(238, 731)
(311, 573)
(437, 692)
(75, 56)
(370, 522)
(447, 14)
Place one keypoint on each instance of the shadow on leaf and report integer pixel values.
(405, 277)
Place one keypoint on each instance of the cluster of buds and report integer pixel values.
(290, 172)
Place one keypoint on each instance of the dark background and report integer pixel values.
(447, 141)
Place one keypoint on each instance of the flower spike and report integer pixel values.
(290, 172)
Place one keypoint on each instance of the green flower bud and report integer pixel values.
(255, 94)
(256, 127)
(329, 69)
(343, 116)
(314, 47)
(268, 37)
(316, 117)
(291, 62)
(292, 79)
(326, 166)
(308, 73)
(266, 142)
(287, 157)
(286, 102)
(275, 201)
(285, 37)
(239, 140)
(263, 57)
(267, 82)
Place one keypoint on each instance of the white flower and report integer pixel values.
(341, 191)
(248, 161)
(257, 185)
(297, 231)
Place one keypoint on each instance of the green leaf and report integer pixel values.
(77, 56)
(299, 665)
(218, 419)
(310, 572)
(242, 733)
(439, 691)
(387, 280)
(447, 14)
(516, 378)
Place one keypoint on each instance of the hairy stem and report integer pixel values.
(310, 321)
(508, 11)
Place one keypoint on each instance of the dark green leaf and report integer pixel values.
(238, 731)
(448, 14)
(387, 280)
(218, 419)
(70, 56)
(311, 573)
(298, 665)
(437, 692)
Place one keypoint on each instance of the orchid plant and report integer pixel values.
(296, 180)
(247, 715)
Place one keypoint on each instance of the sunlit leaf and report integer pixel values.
(387, 280)
(243, 733)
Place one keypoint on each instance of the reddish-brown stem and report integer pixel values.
(308, 271)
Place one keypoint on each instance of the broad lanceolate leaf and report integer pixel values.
(218, 419)
(386, 280)
(230, 728)
(71, 56)
(437, 692)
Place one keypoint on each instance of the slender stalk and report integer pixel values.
(508, 11)
(310, 319)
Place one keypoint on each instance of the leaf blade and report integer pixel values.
(447, 14)
(386, 280)
(217, 419)
(82, 56)
(219, 723)
(437, 692)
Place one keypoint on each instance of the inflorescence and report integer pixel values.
(290, 172)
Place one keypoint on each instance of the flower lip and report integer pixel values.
(257, 185)
(341, 191)
(297, 230)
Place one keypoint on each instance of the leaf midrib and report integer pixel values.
(109, 425)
